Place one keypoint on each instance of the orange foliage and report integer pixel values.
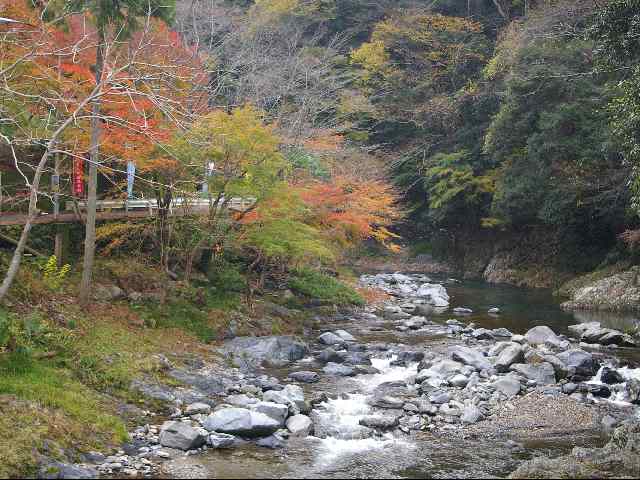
(351, 210)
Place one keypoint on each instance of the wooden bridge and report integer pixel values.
(124, 209)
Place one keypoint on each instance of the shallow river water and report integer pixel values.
(344, 454)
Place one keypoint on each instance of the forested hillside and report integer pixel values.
(499, 121)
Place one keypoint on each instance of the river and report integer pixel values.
(442, 452)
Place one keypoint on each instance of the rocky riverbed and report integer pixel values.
(395, 390)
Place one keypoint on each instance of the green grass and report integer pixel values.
(319, 286)
(190, 315)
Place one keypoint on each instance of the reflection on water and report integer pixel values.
(523, 308)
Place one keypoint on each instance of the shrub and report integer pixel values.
(320, 286)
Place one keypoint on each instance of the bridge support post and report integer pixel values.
(60, 243)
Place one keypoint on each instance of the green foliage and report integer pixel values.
(322, 287)
(53, 275)
(301, 159)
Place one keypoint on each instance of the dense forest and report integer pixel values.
(175, 174)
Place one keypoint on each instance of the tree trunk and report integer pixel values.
(92, 191)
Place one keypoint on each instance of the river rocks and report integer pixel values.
(240, 421)
(415, 323)
(291, 395)
(329, 355)
(380, 422)
(459, 380)
(181, 436)
(305, 377)
(438, 397)
(508, 386)
(386, 402)
(54, 470)
(493, 311)
(435, 294)
(411, 356)
(469, 356)
(277, 411)
(339, 370)
(482, 334)
(242, 401)
(632, 391)
(542, 373)
(471, 414)
(330, 338)
(299, 425)
(508, 356)
(540, 335)
(579, 362)
(592, 332)
(220, 440)
(198, 408)
(253, 351)
(462, 311)
(610, 376)
(344, 335)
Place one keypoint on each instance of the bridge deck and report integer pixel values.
(121, 209)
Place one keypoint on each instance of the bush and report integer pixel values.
(320, 286)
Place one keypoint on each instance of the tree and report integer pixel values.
(118, 18)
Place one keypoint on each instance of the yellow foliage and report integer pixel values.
(373, 57)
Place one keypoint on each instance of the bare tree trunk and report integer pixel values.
(94, 157)
(14, 265)
(502, 11)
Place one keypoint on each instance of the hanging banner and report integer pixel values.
(131, 175)
(78, 177)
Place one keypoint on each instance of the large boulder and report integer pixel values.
(344, 335)
(380, 422)
(181, 436)
(240, 421)
(299, 425)
(508, 356)
(434, 294)
(579, 362)
(540, 335)
(338, 370)
(254, 351)
(542, 373)
(277, 411)
(471, 357)
(55, 470)
(616, 292)
(305, 377)
(508, 386)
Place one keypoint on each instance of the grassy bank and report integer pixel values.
(66, 371)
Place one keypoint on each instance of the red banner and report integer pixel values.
(78, 177)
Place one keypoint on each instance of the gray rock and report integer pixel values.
(272, 441)
(482, 334)
(240, 421)
(329, 355)
(305, 377)
(380, 422)
(542, 373)
(501, 332)
(462, 311)
(541, 334)
(242, 401)
(439, 397)
(494, 310)
(338, 370)
(469, 356)
(221, 440)
(55, 470)
(277, 411)
(569, 388)
(387, 402)
(508, 386)
(330, 338)
(300, 425)
(198, 408)
(611, 376)
(579, 362)
(344, 335)
(450, 410)
(471, 414)
(510, 355)
(291, 395)
(254, 351)
(181, 436)
(459, 380)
